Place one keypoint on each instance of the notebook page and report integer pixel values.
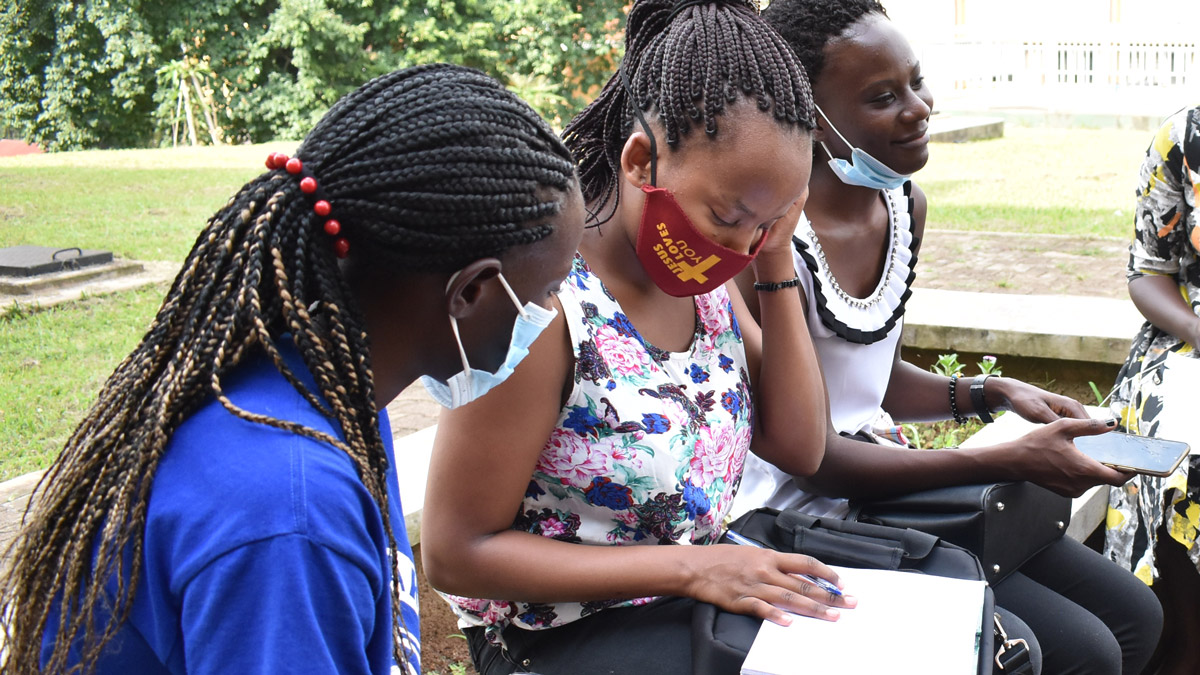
(904, 623)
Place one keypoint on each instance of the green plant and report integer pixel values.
(1096, 392)
(988, 366)
(938, 435)
(947, 364)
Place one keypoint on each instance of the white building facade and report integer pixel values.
(1126, 55)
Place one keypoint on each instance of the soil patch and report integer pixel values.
(11, 148)
(442, 643)
(1025, 264)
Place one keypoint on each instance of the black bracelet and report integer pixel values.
(978, 401)
(777, 285)
(958, 417)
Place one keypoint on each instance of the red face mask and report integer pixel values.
(680, 259)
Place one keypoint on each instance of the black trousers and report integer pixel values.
(1090, 616)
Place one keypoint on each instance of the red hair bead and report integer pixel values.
(332, 227)
(341, 247)
(294, 166)
(271, 162)
(321, 207)
(308, 184)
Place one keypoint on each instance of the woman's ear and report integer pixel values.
(818, 134)
(466, 288)
(635, 159)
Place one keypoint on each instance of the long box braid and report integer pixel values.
(430, 168)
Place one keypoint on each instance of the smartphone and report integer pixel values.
(1139, 454)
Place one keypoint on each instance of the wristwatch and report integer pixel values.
(978, 401)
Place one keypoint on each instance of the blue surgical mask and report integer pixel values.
(862, 169)
(471, 383)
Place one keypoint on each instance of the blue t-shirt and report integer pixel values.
(264, 552)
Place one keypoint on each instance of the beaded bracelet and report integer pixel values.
(772, 286)
(958, 417)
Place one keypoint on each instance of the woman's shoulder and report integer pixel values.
(226, 481)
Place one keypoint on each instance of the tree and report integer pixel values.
(87, 73)
(75, 74)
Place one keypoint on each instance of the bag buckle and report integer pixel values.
(1017, 646)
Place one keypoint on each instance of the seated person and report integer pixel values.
(1156, 391)
(230, 502)
(577, 510)
(856, 246)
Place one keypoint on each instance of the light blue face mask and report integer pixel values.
(471, 383)
(862, 169)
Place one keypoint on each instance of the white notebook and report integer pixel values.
(904, 623)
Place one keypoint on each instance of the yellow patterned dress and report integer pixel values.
(1166, 242)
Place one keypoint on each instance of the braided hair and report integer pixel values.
(687, 60)
(428, 169)
(809, 25)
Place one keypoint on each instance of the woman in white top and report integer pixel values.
(855, 252)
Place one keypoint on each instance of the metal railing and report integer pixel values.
(977, 64)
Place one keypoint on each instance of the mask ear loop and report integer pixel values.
(637, 111)
(462, 352)
(511, 294)
(835, 130)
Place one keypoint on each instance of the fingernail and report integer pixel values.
(850, 600)
(833, 613)
(1111, 423)
(787, 620)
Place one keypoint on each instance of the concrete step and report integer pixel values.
(1062, 327)
(963, 128)
(59, 280)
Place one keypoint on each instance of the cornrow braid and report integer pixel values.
(809, 25)
(686, 61)
(428, 169)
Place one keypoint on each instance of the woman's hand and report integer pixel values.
(1028, 401)
(779, 237)
(1048, 456)
(765, 583)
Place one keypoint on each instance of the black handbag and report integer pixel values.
(721, 639)
(1003, 524)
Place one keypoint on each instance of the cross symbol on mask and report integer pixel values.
(696, 272)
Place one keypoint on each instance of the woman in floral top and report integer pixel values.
(576, 508)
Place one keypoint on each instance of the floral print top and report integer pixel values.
(648, 449)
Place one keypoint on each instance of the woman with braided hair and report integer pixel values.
(230, 502)
(600, 475)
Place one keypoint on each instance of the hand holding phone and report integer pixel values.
(1129, 452)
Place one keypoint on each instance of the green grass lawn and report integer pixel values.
(150, 204)
(1037, 180)
(143, 204)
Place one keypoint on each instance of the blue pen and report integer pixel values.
(819, 583)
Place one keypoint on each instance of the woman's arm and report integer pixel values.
(790, 410)
(1158, 298)
(916, 395)
(484, 456)
(1160, 234)
(1046, 456)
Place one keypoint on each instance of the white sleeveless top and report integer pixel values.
(856, 341)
